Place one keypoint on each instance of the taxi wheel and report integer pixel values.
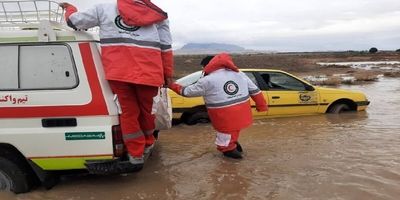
(13, 178)
(339, 108)
(197, 117)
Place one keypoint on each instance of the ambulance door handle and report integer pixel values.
(59, 122)
(276, 97)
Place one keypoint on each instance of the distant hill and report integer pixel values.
(210, 48)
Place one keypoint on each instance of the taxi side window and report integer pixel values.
(280, 81)
(37, 68)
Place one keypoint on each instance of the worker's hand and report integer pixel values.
(262, 108)
(175, 87)
(64, 5)
(168, 81)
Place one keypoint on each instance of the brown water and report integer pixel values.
(351, 156)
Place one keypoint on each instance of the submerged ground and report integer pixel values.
(350, 156)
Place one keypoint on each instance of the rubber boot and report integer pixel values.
(235, 154)
(148, 151)
(239, 147)
(136, 163)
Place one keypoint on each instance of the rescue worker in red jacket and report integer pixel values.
(137, 57)
(226, 93)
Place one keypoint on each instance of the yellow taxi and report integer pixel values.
(286, 94)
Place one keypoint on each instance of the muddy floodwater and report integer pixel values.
(350, 156)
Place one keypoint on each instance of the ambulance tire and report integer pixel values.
(197, 117)
(13, 178)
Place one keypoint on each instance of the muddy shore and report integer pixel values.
(299, 64)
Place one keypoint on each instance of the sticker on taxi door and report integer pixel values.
(307, 98)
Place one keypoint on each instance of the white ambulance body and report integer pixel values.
(57, 111)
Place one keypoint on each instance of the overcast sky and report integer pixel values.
(283, 25)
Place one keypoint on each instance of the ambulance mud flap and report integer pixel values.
(49, 179)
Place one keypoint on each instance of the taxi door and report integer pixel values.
(287, 95)
(252, 76)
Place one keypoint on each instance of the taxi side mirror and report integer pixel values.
(309, 87)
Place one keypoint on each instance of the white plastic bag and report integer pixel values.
(162, 108)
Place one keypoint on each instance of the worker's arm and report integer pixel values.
(80, 20)
(166, 50)
(196, 90)
(256, 95)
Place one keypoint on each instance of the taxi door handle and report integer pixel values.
(276, 97)
(59, 122)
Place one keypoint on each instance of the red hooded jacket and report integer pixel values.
(135, 40)
(226, 92)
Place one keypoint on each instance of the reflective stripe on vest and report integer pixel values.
(228, 103)
(130, 41)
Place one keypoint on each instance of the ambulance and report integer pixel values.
(57, 111)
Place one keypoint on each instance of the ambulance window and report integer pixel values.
(8, 67)
(46, 67)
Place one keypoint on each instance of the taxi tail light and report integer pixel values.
(118, 141)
